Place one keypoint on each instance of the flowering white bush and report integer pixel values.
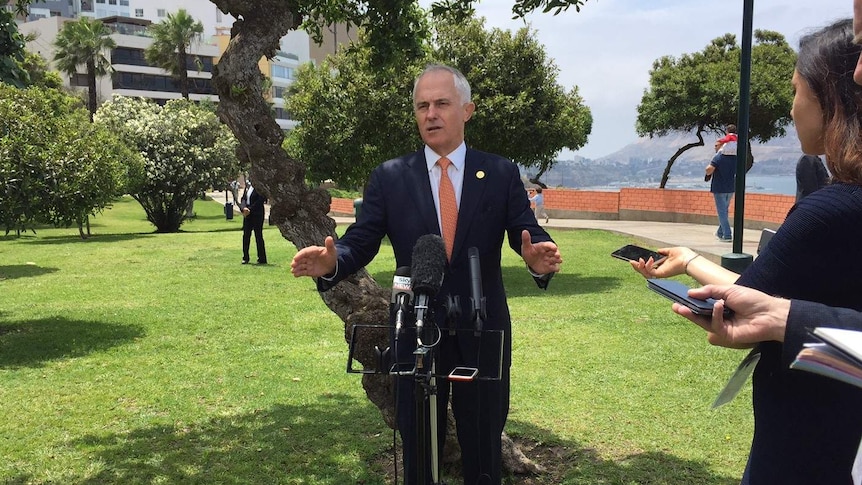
(185, 150)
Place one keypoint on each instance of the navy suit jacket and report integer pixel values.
(255, 203)
(398, 204)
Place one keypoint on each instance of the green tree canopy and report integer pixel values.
(55, 166)
(522, 112)
(172, 38)
(700, 92)
(11, 51)
(84, 42)
(354, 114)
(39, 72)
(185, 151)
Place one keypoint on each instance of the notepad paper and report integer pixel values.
(839, 356)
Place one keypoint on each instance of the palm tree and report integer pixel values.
(171, 40)
(84, 42)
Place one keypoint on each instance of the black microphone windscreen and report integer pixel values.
(402, 271)
(428, 264)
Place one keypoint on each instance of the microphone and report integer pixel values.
(428, 265)
(479, 311)
(402, 293)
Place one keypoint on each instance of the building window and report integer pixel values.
(279, 92)
(124, 3)
(128, 56)
(78, 79)
(152, 82)
(100, 1)
(112, 2)
(282, 114)
(283, 72)
(139, 12)
(160, 13)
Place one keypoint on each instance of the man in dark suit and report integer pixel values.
(253, 214)
(405, 199)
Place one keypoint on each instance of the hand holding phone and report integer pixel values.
(678, 292)
(631, 252)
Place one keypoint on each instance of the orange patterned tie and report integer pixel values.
(448, 207)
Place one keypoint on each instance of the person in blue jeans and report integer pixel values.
(722, 170)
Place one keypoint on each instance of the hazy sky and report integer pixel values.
(608, 48)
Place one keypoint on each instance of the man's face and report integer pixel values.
(857, 37)
(440, 113)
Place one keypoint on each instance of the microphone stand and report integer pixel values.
(426, 391)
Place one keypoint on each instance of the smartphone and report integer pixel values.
(678, 292)
(463, 374)
(630, 252)
(765, 237)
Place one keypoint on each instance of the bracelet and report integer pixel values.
(689, 260)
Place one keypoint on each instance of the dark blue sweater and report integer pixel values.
(807, 427)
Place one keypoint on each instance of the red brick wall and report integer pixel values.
(696, 206)
(341, 207)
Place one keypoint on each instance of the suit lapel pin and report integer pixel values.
(480, 175)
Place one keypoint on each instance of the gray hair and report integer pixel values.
(461, 83)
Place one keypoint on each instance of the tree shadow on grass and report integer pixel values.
(518, 282)
(32, 343)
(15, 271)
(209, 217)
(210, 230)
(568, 462)
(93, 239)
(284, 444)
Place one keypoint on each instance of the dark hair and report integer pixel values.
(826, 61)
(538, 190)
(731, 128)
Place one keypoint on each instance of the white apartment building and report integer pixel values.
(133, 76)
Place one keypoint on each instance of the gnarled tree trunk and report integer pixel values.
(666, 174)
(300, 212)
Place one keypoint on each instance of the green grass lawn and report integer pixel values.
(136, 357)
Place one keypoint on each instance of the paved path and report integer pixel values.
(699, 237)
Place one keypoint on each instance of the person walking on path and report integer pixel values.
(539, 200)
(722, 173)
(253, 214)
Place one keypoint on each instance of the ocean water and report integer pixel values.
(764, 184)
(771, 184)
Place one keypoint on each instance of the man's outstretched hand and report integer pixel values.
(315, 261)
(542, 257)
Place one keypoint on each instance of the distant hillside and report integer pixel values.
(642, 163)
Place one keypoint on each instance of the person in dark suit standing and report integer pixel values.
(253, 215)
(414, 195)
(811, 175)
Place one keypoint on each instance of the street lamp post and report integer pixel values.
(737, 261)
